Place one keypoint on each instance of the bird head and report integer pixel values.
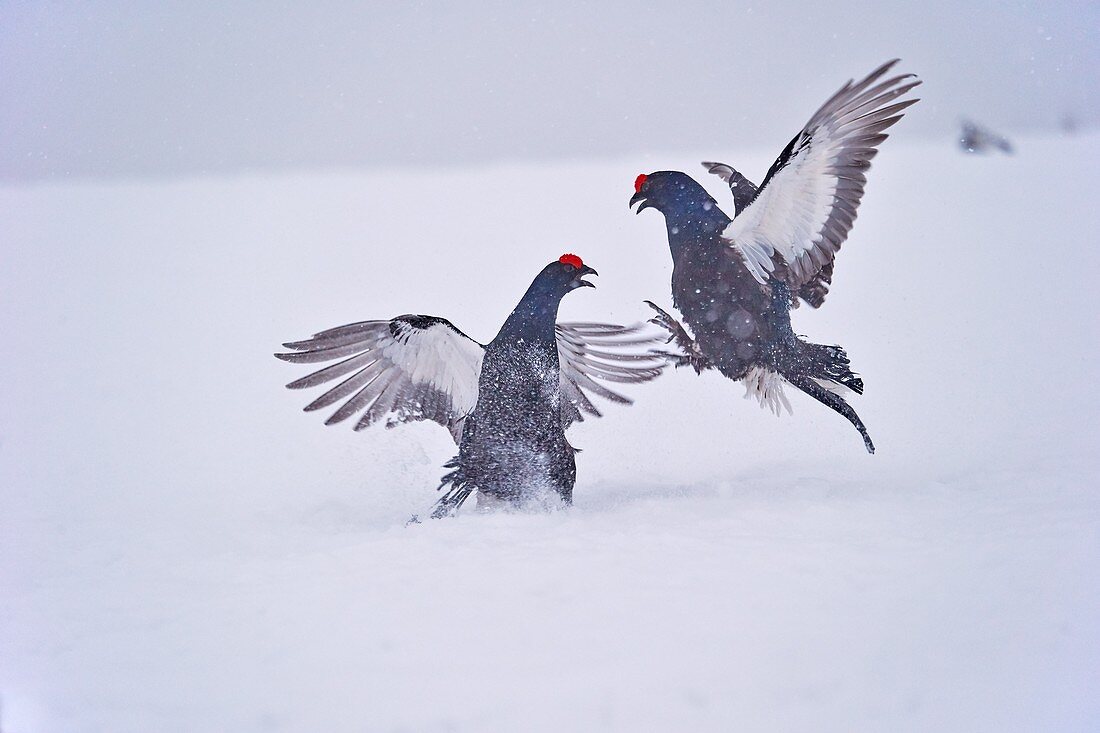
(540, 303)
(672, 193)
(564, 275)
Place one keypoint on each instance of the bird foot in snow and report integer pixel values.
(690, 354)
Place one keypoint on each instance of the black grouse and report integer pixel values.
(735, 280)
(506, 404)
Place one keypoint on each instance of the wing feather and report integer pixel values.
(410, 368)
(339, 369)
(350, 385)
(588, 352)
(808, 201)
(742, 188)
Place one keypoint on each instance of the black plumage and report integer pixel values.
(507, 404)
(735, 280)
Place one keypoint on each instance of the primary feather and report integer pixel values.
(807, 203)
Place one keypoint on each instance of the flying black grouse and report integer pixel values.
(735, 280)
(506, 403)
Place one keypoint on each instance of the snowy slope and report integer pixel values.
(182, 549)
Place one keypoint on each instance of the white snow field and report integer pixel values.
(183, 549)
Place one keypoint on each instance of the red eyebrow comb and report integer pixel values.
(573, 260)
(639, 181)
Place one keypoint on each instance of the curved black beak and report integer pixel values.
(639, 197)
(585, 270)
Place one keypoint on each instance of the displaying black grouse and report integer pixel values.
(507, 404)
(735, 280)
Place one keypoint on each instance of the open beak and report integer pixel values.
(585, 270)
(639, 197)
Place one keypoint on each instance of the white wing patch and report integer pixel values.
(807, 203)
(405, 369)
(441, 357)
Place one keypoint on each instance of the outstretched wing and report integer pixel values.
(590, 353)
(410, 368)
(743, 190)
(814, 290)
(805, 207)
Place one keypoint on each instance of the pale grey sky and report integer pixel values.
(109, 89)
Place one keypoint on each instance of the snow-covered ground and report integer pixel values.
(183, 549)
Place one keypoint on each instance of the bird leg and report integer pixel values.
(689, 347)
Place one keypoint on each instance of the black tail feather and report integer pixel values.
(830, 363)
(834, 401)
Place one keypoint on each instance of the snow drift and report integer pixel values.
(182, 549)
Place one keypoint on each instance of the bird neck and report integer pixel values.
(690, 225)
(533, 318)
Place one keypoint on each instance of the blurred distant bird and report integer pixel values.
(974, 138)
(735, 280)
(506, 404)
